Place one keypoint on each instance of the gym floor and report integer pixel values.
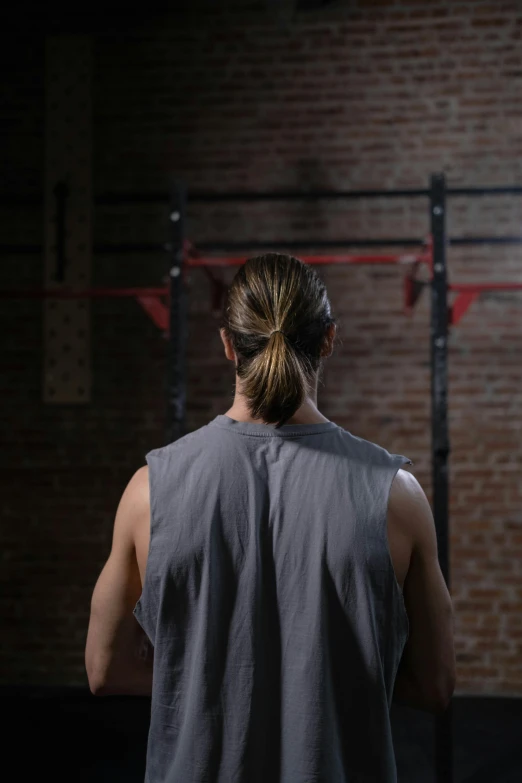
(68, 734)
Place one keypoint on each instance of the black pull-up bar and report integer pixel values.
(212, 197)
(246, 246)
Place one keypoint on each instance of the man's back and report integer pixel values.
(272, 602)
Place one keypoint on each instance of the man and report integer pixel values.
(284, 570)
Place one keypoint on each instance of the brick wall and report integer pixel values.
(231, 95)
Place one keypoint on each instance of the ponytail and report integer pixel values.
(276, 314)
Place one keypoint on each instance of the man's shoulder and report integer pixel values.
(186, 442)
(370, 452)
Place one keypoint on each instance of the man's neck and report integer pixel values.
(306, 414)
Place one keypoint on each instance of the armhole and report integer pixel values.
(142, 610)
(398, 461)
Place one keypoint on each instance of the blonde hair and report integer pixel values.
(276, 315)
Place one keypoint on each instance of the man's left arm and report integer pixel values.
(118, 655)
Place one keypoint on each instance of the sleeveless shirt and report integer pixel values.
(272, 604)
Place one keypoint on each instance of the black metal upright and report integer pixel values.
(440, 436)
(176, 380)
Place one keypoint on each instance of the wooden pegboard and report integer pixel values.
(67, 205)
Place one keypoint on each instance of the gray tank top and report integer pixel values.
(273, 607)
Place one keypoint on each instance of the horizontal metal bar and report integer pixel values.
(342, 243)
(200, 196)
(83, 293)
(101, 200)
(500, 190)
(131, 247)
(297, 195)
(279, 244)
(144, 247)
(247, 247)
(478, 288)
(132, 198)
(110, 249)
(486, 241)
(303, 195)
(408, 258)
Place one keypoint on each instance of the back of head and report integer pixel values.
(276, 315)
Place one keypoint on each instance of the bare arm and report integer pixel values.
(426, 676)
(118, 655)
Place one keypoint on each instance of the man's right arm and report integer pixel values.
(426, 675)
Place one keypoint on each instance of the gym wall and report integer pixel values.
(232, 95)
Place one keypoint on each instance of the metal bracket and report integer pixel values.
(413, 288)
(157, 311)
(461, 305)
